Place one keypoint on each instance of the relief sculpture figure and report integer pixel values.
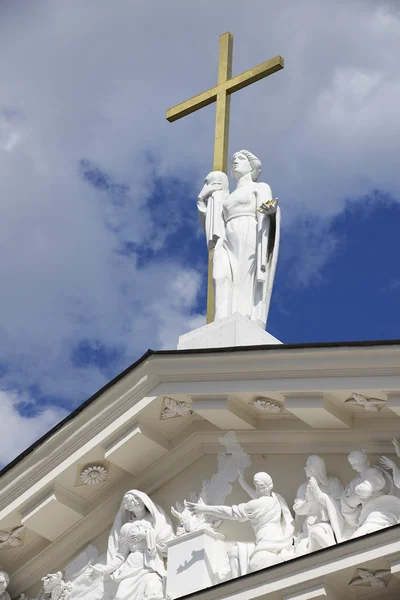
(317, 507)
(4, 581)
(368, 503)
(269, 516)
(136, 549)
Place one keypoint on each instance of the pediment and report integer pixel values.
(283, 404)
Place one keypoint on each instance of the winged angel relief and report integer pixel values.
(12, 539)
(370, 404)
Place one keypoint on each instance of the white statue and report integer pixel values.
(368, 503)
(317, 507)
(4, 581)
(246, 236)
(54, 588)
(136, 549)
(269, 516)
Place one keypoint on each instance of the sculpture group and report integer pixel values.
(243, 228)
(324, 512)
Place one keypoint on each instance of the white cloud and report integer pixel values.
(92, 80)
(18, 431)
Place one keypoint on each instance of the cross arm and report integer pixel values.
(252, 75)
(231, 85)
(193, 104)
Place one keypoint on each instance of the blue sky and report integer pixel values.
(101, 252)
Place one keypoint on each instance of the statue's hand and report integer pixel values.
(137, 537)
(314, 491)
(197, 508)
(96, 570)
(396, 445)
(216, 186)
(209, 189)
(386, 463)
(269, 207)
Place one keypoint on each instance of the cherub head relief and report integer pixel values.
(4, 581)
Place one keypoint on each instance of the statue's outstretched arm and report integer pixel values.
(222, 512)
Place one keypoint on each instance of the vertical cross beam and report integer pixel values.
(221, 141)
(223, 103)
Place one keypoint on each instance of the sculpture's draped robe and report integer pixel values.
(318, 525)
(139, 569)
(369, 502)
(246, 251)
(210, 214)
(272, 523)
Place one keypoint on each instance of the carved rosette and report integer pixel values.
(267, 405)
(94, 474)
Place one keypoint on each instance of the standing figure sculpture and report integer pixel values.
(245, 228)
(269, 516)
(136, 549)
(317, 507)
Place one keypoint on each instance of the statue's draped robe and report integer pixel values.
(245, 255)
(210, 215)
(139, 572)
(272, 523)
(369, 502)
(140, 569)
(318, 525)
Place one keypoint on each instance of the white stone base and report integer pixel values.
(195, 562)
(236, 330)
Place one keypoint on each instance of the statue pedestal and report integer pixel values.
(236, 330)
(195, 561)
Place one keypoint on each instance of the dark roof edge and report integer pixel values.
(74, 413)
(148, 353)
(282, 347)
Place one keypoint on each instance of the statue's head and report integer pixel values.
(51, 581)
(315, 467)
(263, 484)
(244, 162)
(4, 581)
(135, 505)
(358, 460)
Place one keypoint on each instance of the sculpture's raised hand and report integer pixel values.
(313, 490)
(197, 508)
(396, 445)
(209, 188)
(387, 463)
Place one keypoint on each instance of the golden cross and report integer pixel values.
(221, 94)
